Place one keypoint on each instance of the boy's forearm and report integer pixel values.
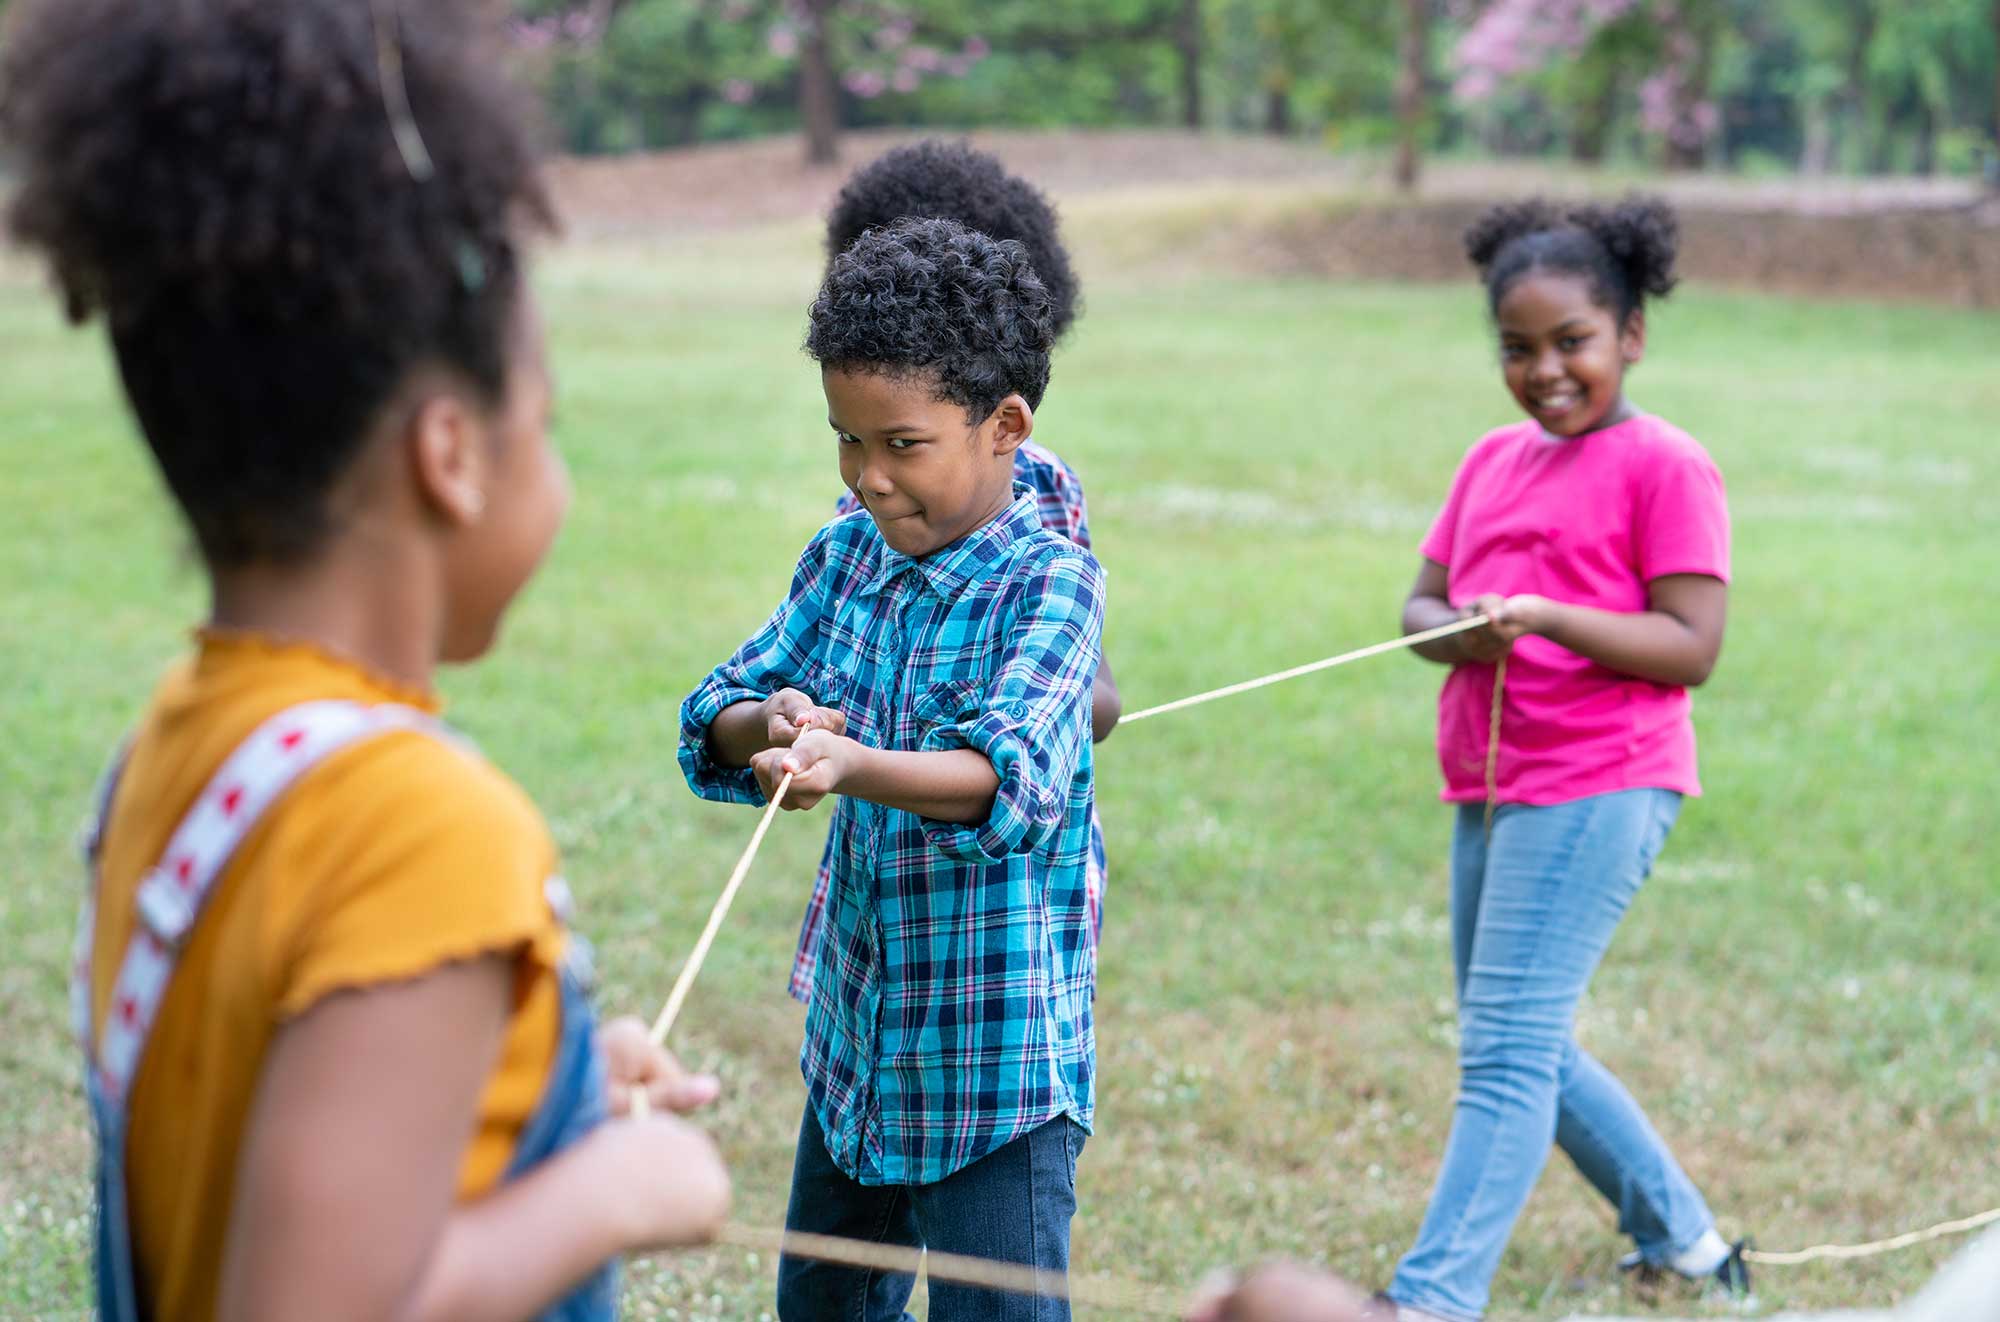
(738, 733)
(957, 785)
(1423, 612)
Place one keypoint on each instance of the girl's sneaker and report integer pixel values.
(1730, 1277)
(1384, 1309)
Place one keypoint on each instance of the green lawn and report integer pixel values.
(1804, 996)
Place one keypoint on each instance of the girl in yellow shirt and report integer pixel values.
(337, 1047)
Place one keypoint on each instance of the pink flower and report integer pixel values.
(865, 83)
(1475, 85)
(535, 35)
(782, 42)
(976, 48)
(738, 92)
(924, 59)
(1656, 103)
(905, 81)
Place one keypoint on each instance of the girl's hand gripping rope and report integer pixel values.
(635, 1066)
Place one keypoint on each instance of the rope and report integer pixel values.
(1016, 1278)
(1264, 681)
(958, 1269)
(675, 998)
(1493, 745)
(1876, 1246)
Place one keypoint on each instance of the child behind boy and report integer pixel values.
(951, 181)
(338, 1056)
(932, 665)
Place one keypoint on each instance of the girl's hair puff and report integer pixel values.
(226, 183)
(1626, 250)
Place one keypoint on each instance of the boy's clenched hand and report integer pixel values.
(788, 712)
(818, 760)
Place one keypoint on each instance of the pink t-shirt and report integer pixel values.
(1589, 521)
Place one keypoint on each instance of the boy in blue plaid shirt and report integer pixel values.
(952, 181)
(932, 666)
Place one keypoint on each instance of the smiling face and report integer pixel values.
(925, 475)
(1564, 354)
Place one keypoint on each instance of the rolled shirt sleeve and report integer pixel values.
(1032, 720)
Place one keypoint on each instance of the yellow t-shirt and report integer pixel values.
(392, 857)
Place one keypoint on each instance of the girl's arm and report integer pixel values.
(1675, 640)
(1427, 607)
(1106, 706)
(344, 1202)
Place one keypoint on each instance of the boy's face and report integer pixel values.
(925, 475)
(1564, 354)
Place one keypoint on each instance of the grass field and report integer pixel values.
(1804, 996)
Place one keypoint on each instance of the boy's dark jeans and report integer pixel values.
(1013, 1204)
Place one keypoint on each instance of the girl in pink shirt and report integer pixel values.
(1597, 537)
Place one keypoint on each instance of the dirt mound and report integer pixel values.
(1163, 200)
(1932, 254)
(727, 185)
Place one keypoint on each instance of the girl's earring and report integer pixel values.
(475, 502)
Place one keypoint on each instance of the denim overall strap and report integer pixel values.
(170, 898)
(573, 1103)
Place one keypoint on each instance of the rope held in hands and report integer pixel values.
(1016, 1278)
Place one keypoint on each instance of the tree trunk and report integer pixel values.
(1993, 161)
(1687, 142)
(1590, 130)
(1278, 109)
(1816, 158)
(1410, 91)
(1854, 92)
(1187, 37)
(819, 106)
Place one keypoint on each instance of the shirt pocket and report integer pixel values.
(948, 703)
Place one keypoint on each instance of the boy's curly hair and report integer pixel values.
(221, 181)
(1627, 250)
(941, 180)
(935, 300)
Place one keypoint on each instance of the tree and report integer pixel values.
(1410, 83)
(819, 106)
(1188, 42)
(1547, 41)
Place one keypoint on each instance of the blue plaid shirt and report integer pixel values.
(950, 1012)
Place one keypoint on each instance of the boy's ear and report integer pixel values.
(447, 448)
(1632, 339)
(1012, 422)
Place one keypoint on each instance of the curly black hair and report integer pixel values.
(1626, 250)
(934, 179)
(223, 182)
(934, 300)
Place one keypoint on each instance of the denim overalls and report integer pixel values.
(170, 899)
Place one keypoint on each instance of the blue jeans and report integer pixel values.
(1531, 916)
(1013, 1204)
